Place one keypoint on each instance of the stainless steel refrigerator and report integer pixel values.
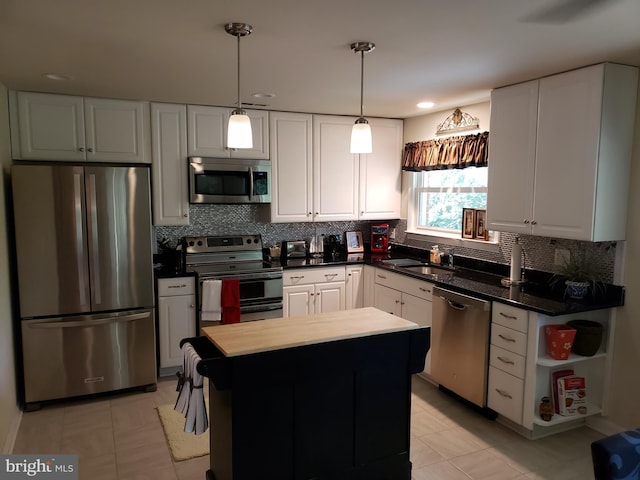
(83, 245)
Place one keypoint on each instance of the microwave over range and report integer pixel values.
(225, 180)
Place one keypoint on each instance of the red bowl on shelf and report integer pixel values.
(559, 340)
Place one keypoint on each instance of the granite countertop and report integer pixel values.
(483, 280)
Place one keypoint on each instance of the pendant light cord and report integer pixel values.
(361, 81)
(239, 104)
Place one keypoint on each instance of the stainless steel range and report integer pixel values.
(240, 257)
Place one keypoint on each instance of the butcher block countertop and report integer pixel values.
(278, 333)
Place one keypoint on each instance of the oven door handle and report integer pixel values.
(243, 276)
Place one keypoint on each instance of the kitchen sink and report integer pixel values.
(403, 262)
(428, 270)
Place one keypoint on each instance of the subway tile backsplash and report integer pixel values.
(252, 219)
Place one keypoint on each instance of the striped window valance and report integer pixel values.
(445, 153)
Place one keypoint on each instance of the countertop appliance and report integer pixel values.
(460, 344)
(237, 256)
(294, 249)
(229, 180)
(83, 245)
(380, 238)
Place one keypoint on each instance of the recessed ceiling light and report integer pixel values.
(263, 95)
(57, 76)
(426, 105)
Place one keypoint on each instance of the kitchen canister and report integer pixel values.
(559, 340)
(588, 337)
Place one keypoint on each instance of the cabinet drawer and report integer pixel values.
(505, 394)
(403, 283)
(507, 361)
(306, 276)
(510, 317)
(168, 287)
(509, 339)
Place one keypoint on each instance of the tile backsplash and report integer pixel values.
(252, 219)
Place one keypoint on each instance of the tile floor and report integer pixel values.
(119, 437)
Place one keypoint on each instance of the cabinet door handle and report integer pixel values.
(382, 277)
(533, 222)
(526, 221)
(81, 149)
(425, 290)
(192, 306)
(297, 277)
(508, 362)
(185, 215)
(177, 286)
(506, 339)
(504, 394)
(397, 301)
(90, 150)
(510, 317)
(330, 275)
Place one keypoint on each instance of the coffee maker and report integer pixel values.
(379, 237)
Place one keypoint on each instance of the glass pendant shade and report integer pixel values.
(361, 137)
(239, 133)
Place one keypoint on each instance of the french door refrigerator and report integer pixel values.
(85, 281)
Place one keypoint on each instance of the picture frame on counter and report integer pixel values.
(468, 222)
(480, 231)
(354, 241)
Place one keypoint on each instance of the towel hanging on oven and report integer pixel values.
(211, 305)
(230, 300)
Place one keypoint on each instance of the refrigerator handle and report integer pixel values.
(93, 220)
(79, 214)
(92, 323)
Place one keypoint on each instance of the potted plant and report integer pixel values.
(580, 276)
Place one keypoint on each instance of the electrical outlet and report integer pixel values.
(392, 233)
(562, 256)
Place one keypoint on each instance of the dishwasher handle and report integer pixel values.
(460, 301)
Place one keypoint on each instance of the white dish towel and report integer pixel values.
(211, 305)
(190, 402)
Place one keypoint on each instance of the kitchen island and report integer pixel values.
(324, 396)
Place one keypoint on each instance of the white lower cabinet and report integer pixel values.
(520, 370)
(176, 319)
(405, 297)
(306, 291)
(354, 283)
(507, 361)
(505, 395)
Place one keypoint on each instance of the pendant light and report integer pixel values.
(239, 131)
(361, 132)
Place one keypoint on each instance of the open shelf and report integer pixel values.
(557, 419)
(547, 361)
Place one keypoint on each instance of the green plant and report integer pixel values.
(580, 269)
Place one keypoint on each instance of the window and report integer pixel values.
(440, 195)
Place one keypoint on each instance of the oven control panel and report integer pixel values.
(223, 243)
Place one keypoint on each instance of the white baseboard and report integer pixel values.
(603, 425)
(10, 440)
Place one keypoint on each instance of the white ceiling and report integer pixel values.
(451, 52)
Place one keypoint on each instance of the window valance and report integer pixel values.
(445, 153)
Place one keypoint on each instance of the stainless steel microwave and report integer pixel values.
(228, 180)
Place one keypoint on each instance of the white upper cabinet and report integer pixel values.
(380, 172)
(335, 170)
(169, 161)
(207, 130)
(574, 182)
(291, 167)
(512, 157)
(69, 128)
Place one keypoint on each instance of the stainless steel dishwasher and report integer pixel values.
(460, 344)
